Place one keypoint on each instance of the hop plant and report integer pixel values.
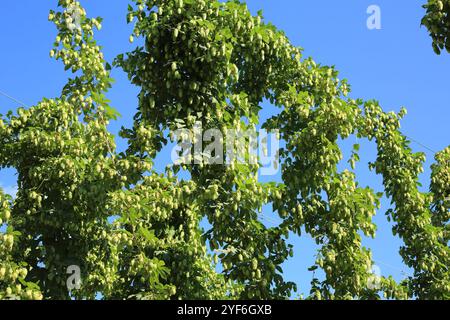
(136, 233)
(436, 20)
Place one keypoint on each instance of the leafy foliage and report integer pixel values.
(136, 233)
(12, 274)
(437, 21)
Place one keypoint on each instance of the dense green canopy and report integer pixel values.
(135, 233)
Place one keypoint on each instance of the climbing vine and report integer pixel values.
(437, 21)
(136, 233)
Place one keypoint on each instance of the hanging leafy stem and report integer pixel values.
(437, 21)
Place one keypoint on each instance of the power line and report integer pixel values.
(13, 99)
(421, 144)
(403, 272)
(269, 220)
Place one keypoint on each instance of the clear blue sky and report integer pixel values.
(395, 65)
